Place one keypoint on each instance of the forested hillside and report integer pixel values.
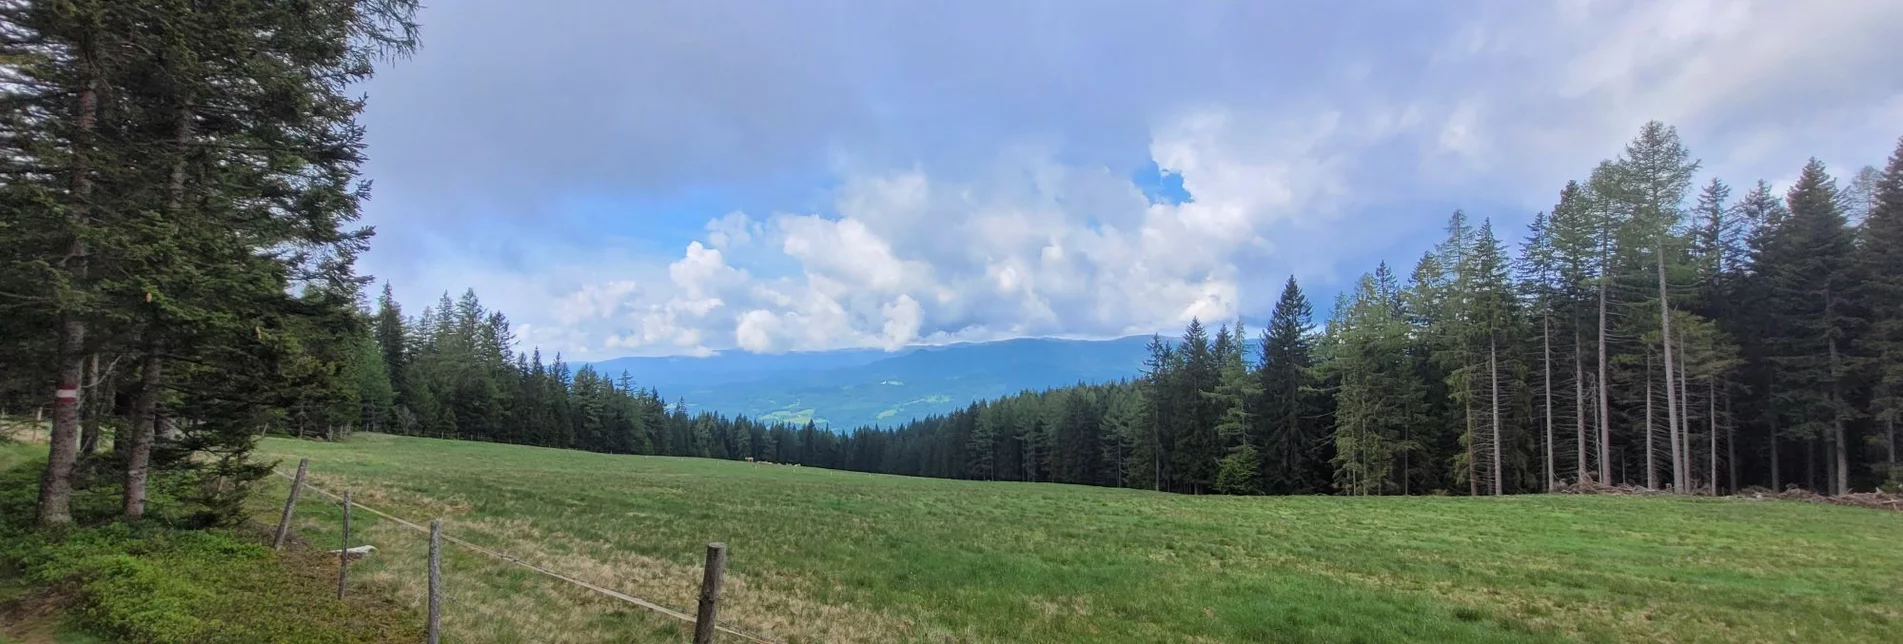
(852, 387)
(1640, 332)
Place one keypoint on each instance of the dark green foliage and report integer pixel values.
(1880, 292)
(1805, 267)
(1367, 344)
(1240, 472)
(186, 178)
(1288, 426)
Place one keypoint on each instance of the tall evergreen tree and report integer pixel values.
(1806, 261)
(1288, 432)
(1880, 294)
(1367, 351)
(1196, 449)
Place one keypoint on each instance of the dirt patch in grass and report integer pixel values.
(36, 616)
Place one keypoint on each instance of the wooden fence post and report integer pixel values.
(710, 593)
(290, 504)
(435, 580)
(343, 552)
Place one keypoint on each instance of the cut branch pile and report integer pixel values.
(1590, 486)
(1874, 500)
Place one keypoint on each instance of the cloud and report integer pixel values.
(735, 229)
(686, 177)
(593, 301)
(1009, 252)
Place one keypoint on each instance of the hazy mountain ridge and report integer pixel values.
(853, 387)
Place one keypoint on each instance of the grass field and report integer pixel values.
(821, 555)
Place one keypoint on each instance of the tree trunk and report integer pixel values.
(1684, 417)
(1889, 440)
(1605, 403)
(144, 420)
(1671, 399)
(1546, 345)
(1156, 453)
(56, 481)
(1840, 482)
(1473, 472)
(1651, 432)
(106, 394)
(1731, 443)
(146, 416)
(1810, 464)
(1579, 404)
(1493, 376)
(1711, 418)
(1777, 471)
(89, 417)
(1406, 465)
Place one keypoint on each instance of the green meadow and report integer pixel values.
(820, 555)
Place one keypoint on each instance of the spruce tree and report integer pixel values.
(1196, 448)
(1880, 294)
(1806, 262)
(1288, 434)
(1367, 352)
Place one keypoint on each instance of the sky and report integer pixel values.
(686, 177)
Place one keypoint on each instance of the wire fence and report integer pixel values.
(722, 626)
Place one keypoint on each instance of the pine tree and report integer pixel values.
(1880, 294)
(1287, 432)
(1237, 391)
(1575, 256)
(1367, 352)
(1196, 448)
(374, 391)
(1805, 260)
(1655, 174)
(391, 337)
(1487, 315)
(1078, 441)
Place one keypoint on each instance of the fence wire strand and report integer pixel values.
(610, 592)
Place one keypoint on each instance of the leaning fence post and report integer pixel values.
(290, 504)
(435, 579)
(710, 593)
(343, 551)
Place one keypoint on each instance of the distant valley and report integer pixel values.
(854, 387)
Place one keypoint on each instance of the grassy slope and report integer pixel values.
(839, 556)
(151, 584)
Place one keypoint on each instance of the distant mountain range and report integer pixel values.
(854, 387)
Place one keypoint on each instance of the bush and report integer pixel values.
(1240, 472)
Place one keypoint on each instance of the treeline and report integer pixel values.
(178, 186)
(453, 372)
(1639, 333)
